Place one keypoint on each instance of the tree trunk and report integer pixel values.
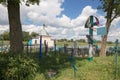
(16, 45)
(103, 46)
(104, 40)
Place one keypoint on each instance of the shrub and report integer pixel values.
(17, 68)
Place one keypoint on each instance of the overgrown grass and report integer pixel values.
(98, 69)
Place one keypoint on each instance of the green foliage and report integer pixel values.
(26, 36)
(112, 7)
(98, 69)
(52, 61)
(61, 40)
(82, 40)
(110, 42)
(4, 2)
(33, 34)
(17, 67)
(26, 67)
(5, 36)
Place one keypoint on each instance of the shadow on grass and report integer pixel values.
(51, 64)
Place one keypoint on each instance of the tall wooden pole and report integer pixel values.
(116, 59)
(40, 53)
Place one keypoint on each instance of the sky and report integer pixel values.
(63, 18)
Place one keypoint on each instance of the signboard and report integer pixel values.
(101, 31)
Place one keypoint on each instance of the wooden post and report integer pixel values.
(116, 59)
(40, 53)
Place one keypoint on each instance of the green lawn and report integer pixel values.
(62, 43)
(31, 67)
(80, 44)
(98, 69)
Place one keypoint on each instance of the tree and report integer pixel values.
(72, 40)
(5, 36)
(81, 40)
(112, 10)
(26, 36)
(33, 34)
(13, 6)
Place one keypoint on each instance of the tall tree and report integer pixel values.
(13, 7)
(112, 10)
(26, 36)
(5, 36)
(33, 34)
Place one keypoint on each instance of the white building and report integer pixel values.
(45, 37)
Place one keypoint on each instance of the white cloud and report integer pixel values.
(115, 24)
(3, 15)
(3, 28)
(115, 30)
(88, 10)
(31, 28)
(43, 13)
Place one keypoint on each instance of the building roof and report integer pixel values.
(43, 31)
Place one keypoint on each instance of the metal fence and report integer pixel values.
(83, 50)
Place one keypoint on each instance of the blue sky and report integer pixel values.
(73, 8)
(63, 18)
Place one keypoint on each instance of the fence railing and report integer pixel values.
(60, 49)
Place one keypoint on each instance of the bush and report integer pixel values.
(17, 67)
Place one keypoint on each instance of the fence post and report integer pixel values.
(116, 59)
(40, 53)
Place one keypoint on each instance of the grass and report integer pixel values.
(98, 69)
(81, 44)
(62, 43)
